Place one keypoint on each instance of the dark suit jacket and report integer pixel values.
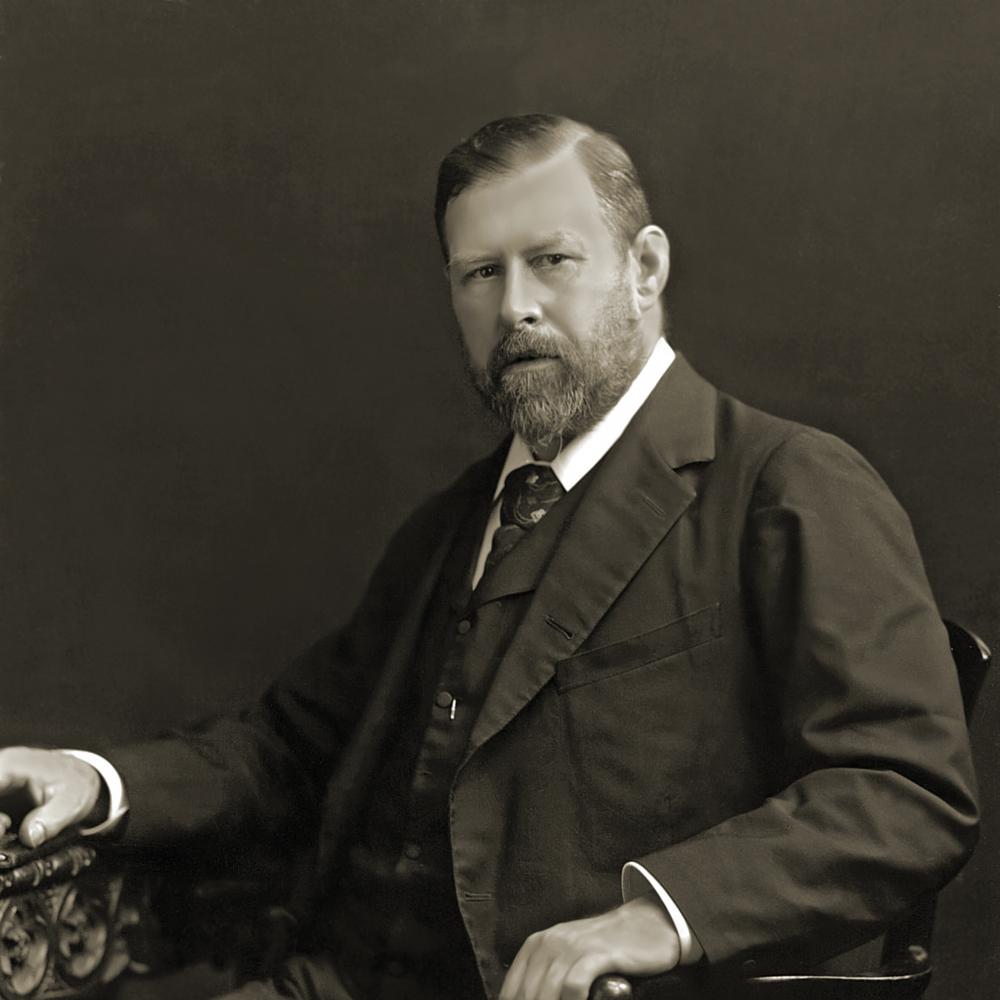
(731, 670)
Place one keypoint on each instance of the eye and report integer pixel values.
(481, 273)
(551, 259)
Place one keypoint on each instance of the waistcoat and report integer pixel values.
(393, 923)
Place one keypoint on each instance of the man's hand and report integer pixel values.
(561, 963)
(64, 790)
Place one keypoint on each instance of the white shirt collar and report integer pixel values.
(585, 451)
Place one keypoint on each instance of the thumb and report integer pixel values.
(62, 807)
(33, 829)
(46, 822)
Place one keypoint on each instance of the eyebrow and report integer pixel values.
(462, 263)
(561, 237)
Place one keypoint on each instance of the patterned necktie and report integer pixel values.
(528, 493)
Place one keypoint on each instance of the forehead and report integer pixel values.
(512, 211)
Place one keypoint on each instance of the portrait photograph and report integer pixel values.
(499, 500)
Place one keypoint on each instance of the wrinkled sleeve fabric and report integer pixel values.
(263, 772)
(251, 774)
(879, 804)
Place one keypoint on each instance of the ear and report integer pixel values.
(650, 254)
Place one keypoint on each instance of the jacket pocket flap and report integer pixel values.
(628, 654)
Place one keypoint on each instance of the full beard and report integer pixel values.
(568, 396)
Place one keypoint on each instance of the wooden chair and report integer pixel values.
(905, 971)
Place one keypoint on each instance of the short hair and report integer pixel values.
(500, 146)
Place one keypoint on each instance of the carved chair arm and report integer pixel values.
(75, 915)
(62, 924)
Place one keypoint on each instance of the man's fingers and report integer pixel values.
(550, 985)
(33, 831)
(581, 975)
(539, 978)
(539, 968)
(63, 788)
(46, 821)
(61, 805)
(562, 962)
(512, 981)
(551, 975)
(5, 822)
(511, 989)
(567, 973)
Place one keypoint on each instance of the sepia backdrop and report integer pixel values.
(227, 363)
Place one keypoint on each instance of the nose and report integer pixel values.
(520, 297)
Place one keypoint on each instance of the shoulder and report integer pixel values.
(777, 451)
(802, 479)
(760, 461)
(807, 463)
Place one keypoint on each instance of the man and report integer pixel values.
(660, 683)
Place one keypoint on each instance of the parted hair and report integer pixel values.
(501, 146)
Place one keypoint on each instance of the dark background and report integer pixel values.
(228, 367)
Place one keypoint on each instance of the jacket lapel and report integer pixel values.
(634, 497)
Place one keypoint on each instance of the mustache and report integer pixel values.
(523, 343)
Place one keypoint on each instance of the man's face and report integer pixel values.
(544, 298)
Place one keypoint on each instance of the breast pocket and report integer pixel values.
(630, 654)
(633, 712)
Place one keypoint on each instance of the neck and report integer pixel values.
(653, 327)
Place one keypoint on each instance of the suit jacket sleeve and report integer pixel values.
(263, 772)
(877, 805)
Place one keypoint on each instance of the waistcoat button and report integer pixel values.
(443, 699)
(412, 851)
(463, 626)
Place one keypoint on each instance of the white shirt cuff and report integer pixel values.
(636, 881)
(117, 799)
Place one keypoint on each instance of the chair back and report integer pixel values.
(909, 939)
(972, 659)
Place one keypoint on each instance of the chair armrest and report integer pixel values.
(615, 986)
(76, 914)
(63, 923)
(902, 980)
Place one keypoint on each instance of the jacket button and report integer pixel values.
(412, 851)
(443, 699)
(463, 626)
